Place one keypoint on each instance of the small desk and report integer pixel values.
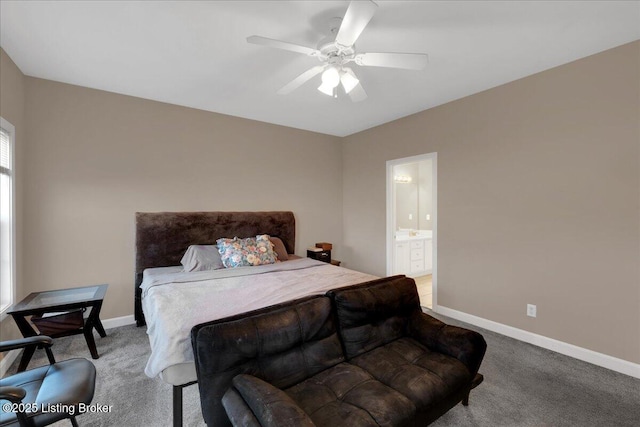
(38, 303)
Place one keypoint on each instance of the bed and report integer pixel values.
(170, 301)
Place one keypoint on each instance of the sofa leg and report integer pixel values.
(465, 399)
(475, 383)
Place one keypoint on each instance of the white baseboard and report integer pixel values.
(580, 353)
(118, 321)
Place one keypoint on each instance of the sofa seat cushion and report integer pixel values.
(425, 377)
(348, 395)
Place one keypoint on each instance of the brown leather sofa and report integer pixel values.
(365, 355)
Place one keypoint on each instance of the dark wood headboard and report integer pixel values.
(163, 237)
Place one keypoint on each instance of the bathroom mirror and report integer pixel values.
(414, 195)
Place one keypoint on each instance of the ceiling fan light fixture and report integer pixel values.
(349, 81)
(337, 49)
(326, 89)
(330, 81)
(331, 77)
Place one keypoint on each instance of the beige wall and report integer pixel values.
(539, 191)
(95, 158)
(538, 200)
(12, 109)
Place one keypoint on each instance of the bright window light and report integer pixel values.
(7, 224)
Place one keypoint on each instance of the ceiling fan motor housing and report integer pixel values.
(331, 51)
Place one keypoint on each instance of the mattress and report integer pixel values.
(174, 301)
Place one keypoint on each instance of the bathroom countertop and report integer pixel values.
(421, 235)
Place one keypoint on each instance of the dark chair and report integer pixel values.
(46, 394)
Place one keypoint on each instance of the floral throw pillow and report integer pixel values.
(246, 252)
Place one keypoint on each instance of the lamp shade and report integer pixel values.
(326, 89)
(349, 80)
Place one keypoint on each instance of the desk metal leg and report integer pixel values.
(27, 331)
(93, 321)
(91, 343)
(100, 328)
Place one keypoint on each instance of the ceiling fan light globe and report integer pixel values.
(331, 77)
(326, 89)
(348, 82)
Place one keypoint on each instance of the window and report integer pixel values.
(7, 224)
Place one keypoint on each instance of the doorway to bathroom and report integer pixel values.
(412, 222)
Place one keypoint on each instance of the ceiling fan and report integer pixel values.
(337, 50)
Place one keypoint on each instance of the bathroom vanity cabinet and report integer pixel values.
(413, 255)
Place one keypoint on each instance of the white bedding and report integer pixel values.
(173, 301)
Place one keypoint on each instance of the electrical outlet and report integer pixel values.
(531, 310)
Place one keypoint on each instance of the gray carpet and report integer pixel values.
(524, 386)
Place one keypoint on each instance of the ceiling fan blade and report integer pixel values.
(357, 17)
(301, 79)
(408, 61)
(279, 44)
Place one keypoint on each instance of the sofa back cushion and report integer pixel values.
(374, 313)
(282, 344)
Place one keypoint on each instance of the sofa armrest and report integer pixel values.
(237, 410)
(270, 405)
(463, 344)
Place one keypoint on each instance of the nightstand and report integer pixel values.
(319, 254)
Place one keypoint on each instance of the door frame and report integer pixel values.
(391, 216)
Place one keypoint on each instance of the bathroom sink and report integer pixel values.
(414, 235)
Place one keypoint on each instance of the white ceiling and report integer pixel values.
(195, 53)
